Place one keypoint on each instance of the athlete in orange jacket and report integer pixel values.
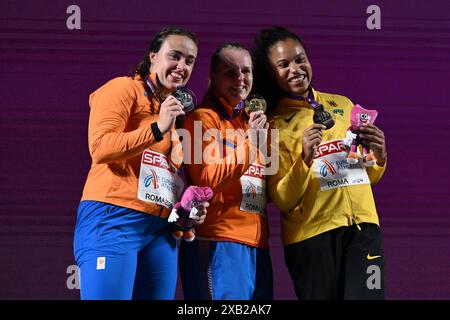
(119, 132)
(235, 232)
(228, 177)
(122, 244)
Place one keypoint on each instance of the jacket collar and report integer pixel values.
(290, 104)
(157, 89)
(226, 110)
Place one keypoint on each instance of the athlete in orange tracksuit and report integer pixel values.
(122, 242)
(231, 258)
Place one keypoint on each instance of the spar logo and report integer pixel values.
(255, 171)
(158, 160)
(330, 147)
(327, 167)
(250, 190)
(151, 179)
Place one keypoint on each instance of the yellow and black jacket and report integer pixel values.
(306, 209)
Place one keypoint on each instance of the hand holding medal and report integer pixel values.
(323, 117)
(186, 98)
(255, 103)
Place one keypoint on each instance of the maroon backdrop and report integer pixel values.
(48, 71)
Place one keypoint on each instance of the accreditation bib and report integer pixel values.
(253, 190)
(159, 181)
(332, 170)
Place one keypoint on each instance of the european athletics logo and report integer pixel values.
(250, 190)
(152, 178)
(327, 166)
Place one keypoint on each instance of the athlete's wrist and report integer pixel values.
(156, 132)
(307, 160)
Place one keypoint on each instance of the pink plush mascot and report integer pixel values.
(184, 211)
(358, 117)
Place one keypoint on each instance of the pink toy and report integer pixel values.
(185, 211)
(358, 117)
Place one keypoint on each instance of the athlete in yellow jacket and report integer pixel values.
(329, 224)
(309, 211)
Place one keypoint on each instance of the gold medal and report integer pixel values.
(255, 103)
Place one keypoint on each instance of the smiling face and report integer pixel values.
(290, 66)
(360, 116)
(364, 118)
(174, 61)
(233, 78)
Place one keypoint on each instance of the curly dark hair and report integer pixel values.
(143, 67)
(264, 82)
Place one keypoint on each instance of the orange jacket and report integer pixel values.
(119, 131)
(224, 220)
